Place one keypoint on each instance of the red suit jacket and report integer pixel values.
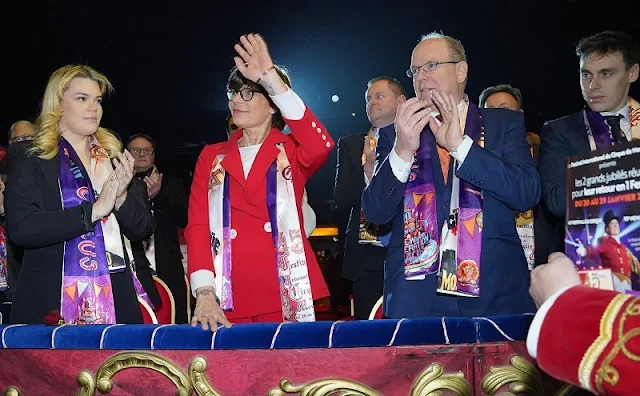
(254, 274)
(591, 338)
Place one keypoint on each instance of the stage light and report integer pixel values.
(335, 98)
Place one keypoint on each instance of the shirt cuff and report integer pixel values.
(401, 168)
(366, 179)
(290, 105)
(202, 278)
(536, 324)
(463, 149)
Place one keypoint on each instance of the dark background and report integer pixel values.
(169, 61)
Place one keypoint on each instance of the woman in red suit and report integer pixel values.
(249, 259)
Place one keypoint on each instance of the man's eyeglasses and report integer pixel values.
(22, 138)
(246, 93)
(427, 67)
(142, 151)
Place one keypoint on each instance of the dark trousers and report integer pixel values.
(367, 289)
(366, 292)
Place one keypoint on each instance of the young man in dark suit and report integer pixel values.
(364, 253)
(608, 67)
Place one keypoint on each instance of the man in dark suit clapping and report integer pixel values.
(364, 252)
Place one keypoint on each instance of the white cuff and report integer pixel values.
(536, 324)
(290, 105)
(463, 149)
(401, 168)
(202, 278)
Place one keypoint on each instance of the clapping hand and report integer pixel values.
(448, 134)
(124, 163)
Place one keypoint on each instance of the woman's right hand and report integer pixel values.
(207, 311)
(107, 199)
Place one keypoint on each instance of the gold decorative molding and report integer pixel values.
(430, 382)
(433, 380)
(521, 376)
(200, 383)
(12, 391)
(324, 387)
(122, 361)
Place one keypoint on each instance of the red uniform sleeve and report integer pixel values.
(591, 338)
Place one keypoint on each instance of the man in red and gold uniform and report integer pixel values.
(602, 354)
(613, 253)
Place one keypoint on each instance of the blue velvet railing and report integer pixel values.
(372, 333)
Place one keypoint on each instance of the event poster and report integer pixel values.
(602, 234)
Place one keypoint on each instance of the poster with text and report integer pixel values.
(602, 234)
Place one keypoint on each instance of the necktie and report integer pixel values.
(616, 131)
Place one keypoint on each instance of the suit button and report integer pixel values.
(324, 137)
(267, 226)
(233, 233)
(318, 130)
(328, 144)
(313, 124)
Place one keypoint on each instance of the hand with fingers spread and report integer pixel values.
(153, 182)
(411, 118)
(207, 310)
(255, 64)
(448, 134)
(124, 163)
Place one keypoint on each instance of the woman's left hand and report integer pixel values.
(254, 58)
(124, 172)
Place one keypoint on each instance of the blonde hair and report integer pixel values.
(45, 144)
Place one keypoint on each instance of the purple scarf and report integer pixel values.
(86, 297)
(421, 230)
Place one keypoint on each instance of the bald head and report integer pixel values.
(21, 129)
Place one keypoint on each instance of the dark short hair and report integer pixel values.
(506, 88)
(395, 85)
(608, 42)
(236, 81)
(144, 136)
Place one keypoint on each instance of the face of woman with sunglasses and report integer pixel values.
(249, 108)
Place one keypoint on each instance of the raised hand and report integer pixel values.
(254, 58)
(448, 134)
(153, 182)
(411, 118)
